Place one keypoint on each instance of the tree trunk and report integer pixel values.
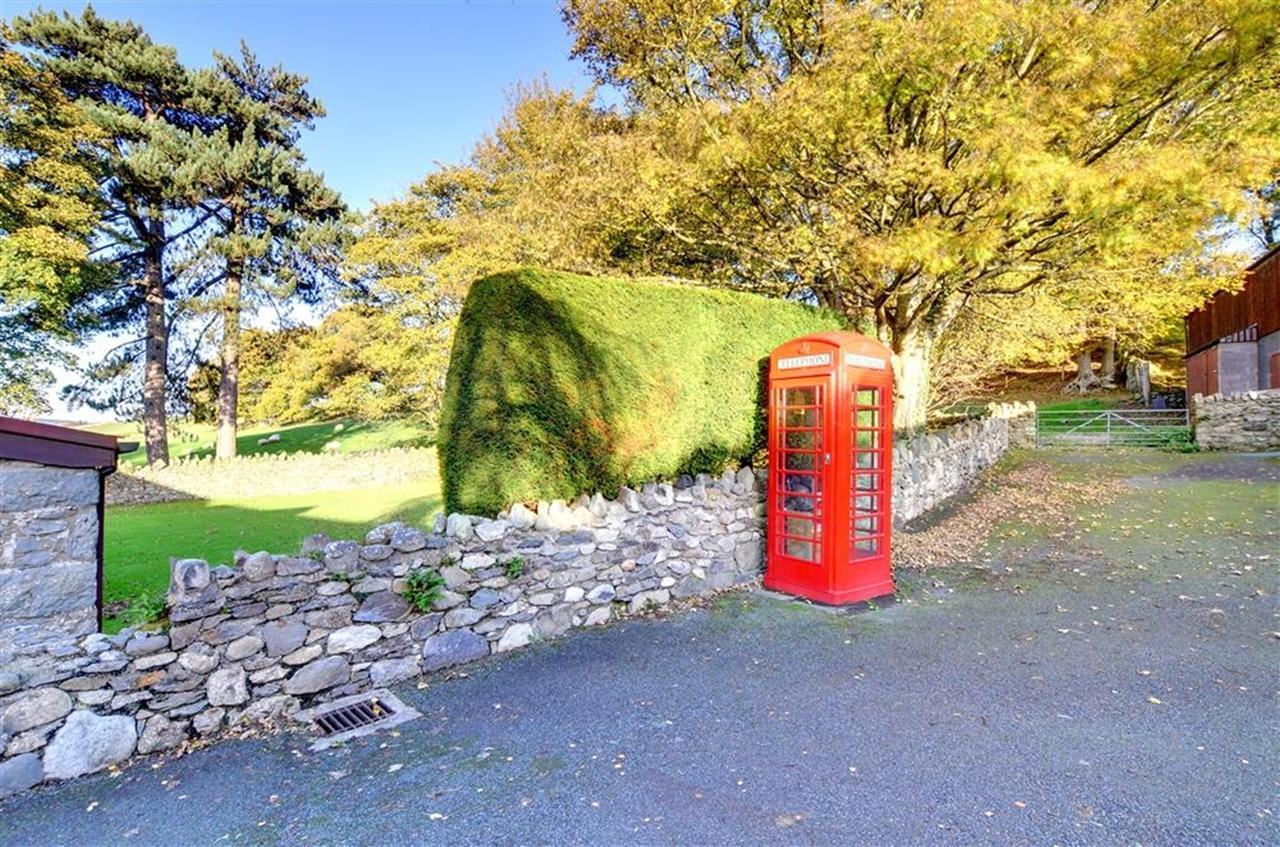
(1108, 373)
(155, 369)
(911, 362)
(229, 385)
(1084, 372)
(912, 334)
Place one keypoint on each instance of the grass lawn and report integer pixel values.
(1084, 404)
(140, 539)
(188, 439)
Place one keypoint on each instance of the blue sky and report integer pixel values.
(406, 84)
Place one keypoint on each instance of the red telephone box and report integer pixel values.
(830, 468)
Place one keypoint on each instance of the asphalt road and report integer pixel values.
(1120, 688)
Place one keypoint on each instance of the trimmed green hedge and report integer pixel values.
(561, 384)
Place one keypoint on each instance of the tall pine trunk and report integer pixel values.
(229, 384)
(155, 370)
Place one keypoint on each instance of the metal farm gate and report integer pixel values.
(1111, 427)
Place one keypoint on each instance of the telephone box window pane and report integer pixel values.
(868, 418)
(801, 440)
(802, 417)
(867, 481)
(867, 502)
(868, 438)
(867, 526)
(867, 459)
(802, 483)
(868, 397)
(800, 461)
(799, 396)
(803, 505)
(802, 527)
(865, 547)
(806, 550)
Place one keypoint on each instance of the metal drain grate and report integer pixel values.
(353, 716)
(359, 714)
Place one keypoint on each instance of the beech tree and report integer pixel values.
(902, 160)
(547, 188)
(48, 207)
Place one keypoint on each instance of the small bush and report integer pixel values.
(146, 609)
(423, 587)
(561, 384)
(1181, 442)
(515, 567)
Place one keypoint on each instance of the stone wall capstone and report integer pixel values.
(1246, 421)
(48, 554)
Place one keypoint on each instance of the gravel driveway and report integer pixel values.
(1116, 685)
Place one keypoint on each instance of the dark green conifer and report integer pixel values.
(139, 97)
(278, 225)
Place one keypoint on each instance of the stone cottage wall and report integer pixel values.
(1246, 421)
(48, 554)
(276, 632)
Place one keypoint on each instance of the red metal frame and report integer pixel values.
(830, 468)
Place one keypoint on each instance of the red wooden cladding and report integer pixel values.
(830, 468)
(59, 446)
(1256, 305)
(1202, 373)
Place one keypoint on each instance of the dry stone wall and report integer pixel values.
(48, 554)
(1245, 421)
(271, 634)
(269, 474)
(275, 632)
(931, 468)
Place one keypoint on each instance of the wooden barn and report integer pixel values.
(1233, 341)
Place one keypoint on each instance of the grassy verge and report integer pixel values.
(188, 439)
(139, 540)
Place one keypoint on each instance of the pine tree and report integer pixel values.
(278, 225)
(138, 96)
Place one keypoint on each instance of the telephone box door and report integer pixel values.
(800, 480)
(830, 468)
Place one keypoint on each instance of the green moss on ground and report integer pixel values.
(562, 384)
